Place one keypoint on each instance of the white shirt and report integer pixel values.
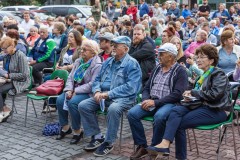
(27, 25)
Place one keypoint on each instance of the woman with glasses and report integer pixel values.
(78, 88)
(212, 89)
(15, 70)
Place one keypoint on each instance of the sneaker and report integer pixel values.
(51, 109)
(94, 144)
(6, 115)
(103, 150)
(1, 116)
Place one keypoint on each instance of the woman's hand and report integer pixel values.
(147, 104)
(187, 94)
(69, 94)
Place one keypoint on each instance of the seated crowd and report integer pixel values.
(165, 58)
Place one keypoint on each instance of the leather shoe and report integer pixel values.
(63, 134)
(140, 153)
(76, 138)
(155, 151)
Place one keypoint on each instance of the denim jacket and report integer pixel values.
(125, 85)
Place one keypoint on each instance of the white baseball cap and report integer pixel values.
(168, 47)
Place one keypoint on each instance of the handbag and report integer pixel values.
(191, 104)
(51, 129)
(50, 87)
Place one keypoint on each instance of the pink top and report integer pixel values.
(192, 47)
(31, 40)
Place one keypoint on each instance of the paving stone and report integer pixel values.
(25, 155)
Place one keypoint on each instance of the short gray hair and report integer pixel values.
(139, 27)
(92, 44)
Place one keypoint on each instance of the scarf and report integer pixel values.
(203, 77)
(80, 72)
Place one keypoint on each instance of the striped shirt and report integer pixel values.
(161, 83)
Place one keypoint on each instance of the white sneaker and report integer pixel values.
(1, 116)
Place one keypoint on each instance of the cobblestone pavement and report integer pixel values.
(19, 142)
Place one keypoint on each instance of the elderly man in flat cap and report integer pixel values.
(118, 83)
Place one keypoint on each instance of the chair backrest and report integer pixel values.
(63, 74)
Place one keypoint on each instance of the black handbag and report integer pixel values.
(191, 104)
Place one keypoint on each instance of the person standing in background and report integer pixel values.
(96, 10)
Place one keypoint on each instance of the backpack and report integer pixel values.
(51, 129)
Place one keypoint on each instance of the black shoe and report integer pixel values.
(76, 138)
(63, 134)
(103, 150)
(94, 144)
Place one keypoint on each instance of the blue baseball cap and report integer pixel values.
(122, 40)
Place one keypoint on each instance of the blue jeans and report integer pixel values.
(88, 108)
(136, 114)
(182, 118)
(72, 109)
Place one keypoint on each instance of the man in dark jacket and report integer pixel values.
(163, 90)
(143, 51)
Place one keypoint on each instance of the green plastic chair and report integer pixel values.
(63, 74)
(220, 126)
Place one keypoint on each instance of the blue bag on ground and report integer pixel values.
(51, 129)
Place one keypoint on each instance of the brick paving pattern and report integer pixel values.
(21, 143)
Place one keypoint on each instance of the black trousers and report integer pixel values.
(3, 92)
(37, 69)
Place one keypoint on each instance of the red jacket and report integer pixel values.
(133, 11)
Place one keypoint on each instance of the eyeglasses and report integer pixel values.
(84, 50)
(4, 49)
(200, 57)
(116, 46)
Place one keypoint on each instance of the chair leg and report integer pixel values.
(221, 135)
(13, 104)
(120, 141)
(211, 135)
(34, 108)
(189, 140)
(236, 113)
(195, 139)
(234, 142)
(25, 122)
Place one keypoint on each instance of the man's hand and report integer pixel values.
(104, 95)
(32, 62)
(147, 104)
(97, 97)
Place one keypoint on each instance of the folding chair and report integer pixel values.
(63, 74)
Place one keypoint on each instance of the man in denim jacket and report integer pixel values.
(118, 83)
